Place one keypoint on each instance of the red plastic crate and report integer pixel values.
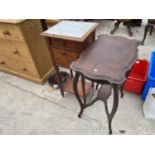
(137, 77)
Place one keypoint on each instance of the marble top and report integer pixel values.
(73, 29)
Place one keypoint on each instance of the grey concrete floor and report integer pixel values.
(29, 108)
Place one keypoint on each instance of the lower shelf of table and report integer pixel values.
(69, 87)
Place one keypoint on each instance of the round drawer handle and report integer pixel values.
(3, 63)
(63, 43)
(24, 69)
(6, 33)
(16, 52)
(63, 53)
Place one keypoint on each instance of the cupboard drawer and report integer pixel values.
(14, 50)
(64, 57)
(18, 66)
(10, 32)
(72, 45)
(60, 43)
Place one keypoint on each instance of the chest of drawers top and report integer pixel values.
(12, 21)
(11, 30)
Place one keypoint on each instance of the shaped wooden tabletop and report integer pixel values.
(108, 58)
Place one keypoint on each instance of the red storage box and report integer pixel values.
(137, 77)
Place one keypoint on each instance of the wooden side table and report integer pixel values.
(67, 40)
(106, 61)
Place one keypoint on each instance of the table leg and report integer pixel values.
(94, 36)
(121, 90)
(71, 73)
(75, 88)
(121, 86)
(97, 86)
(45, 27)
(59, 80)
(92, 84)
(145, 33)
(129, 29)
(115, 27)
(114, 108)
(83, 88)
(56, 68)
(151, 30)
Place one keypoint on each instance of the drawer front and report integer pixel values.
(10, 32)
(72, 45)
(59, 43)
(64, 57)
(14, 50)
(19, 66)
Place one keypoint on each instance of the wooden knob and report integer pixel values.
(16, 52)
(63, 43)
(3, 63)
(63, 52)
(6, 33)
(24, 69)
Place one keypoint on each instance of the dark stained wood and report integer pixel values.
(60, 43)
(56, 68)
(108, 58)
(64, 57)
(104, 92)
(126, 22)
(69, 87)
(106, 61)
(151, 21)
(65, 50)
(149, 26)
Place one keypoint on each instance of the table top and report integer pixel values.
(12, 21)
(71, 30)
(108, 58)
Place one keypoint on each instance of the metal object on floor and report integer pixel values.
(54, 81)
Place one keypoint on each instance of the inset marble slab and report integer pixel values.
(70, 29)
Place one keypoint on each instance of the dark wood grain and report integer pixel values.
(108, 58)
(106, 61)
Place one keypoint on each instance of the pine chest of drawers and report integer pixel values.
(23, 51)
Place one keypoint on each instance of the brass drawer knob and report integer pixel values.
(6, 33)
